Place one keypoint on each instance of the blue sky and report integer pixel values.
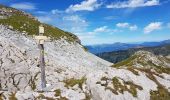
(103, 21)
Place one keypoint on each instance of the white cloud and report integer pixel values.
(122, 25)
(74, 18)
(92, 37)
(74, 23)
(41, 12)
(87, 5)
(133, 27)
(101, 29)
(127, 25)
(56, 11)
(152, 27)
(168, 25)
(82, 37)
(65, 21)
(44, 19)
(23, 6)
(133, 4)
(110, 17)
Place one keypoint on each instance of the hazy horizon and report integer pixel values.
(128, 42)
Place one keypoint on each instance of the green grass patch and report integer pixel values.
(163, 70)
(125, 62)
(12, 96)
(160, 94)
(120, 88)
(24, 23)
(2, 97)
(32, 81)
(41, 96)
(62, 98)
(57, 92)
(133, 70)
(167, 60)
(85, 48)
(104, 78)
(88, 96)
(71, 82)
(133, 88)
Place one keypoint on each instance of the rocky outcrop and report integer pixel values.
(19, 69)
(145, 59)
(71, 73)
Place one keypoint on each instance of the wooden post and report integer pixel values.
(40, 40)
(42, 65)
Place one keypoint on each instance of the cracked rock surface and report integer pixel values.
(71, 73)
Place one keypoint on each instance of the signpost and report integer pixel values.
(40, 40)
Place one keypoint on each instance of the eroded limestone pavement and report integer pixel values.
(71, 73)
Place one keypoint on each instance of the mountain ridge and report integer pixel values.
(117, 56)
(27, 24)
(95, 49)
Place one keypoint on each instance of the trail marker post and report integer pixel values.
(40, 40)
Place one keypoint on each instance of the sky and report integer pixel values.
(103, 21)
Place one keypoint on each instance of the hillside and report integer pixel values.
(145, 59)
(154, 66)
(27, 24)
(65, 62)
(117, 56)
(72, 73)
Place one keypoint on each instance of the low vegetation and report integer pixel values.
(62, 98)
(135, 62)
(71, 82)
(25, 23)
(12, 96)
(57, 92)
(150, 69)
(32, 81)
(160, 94)
(163, 70)
(118, 87)
(121, 88)
(127, 62)
(41, 97)
(133, 88)
(88, 96)
(2, 96)
(133, 70)
(85, 49)
(105, 79)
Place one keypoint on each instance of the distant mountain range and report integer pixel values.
(95, 49)
(118, 56)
